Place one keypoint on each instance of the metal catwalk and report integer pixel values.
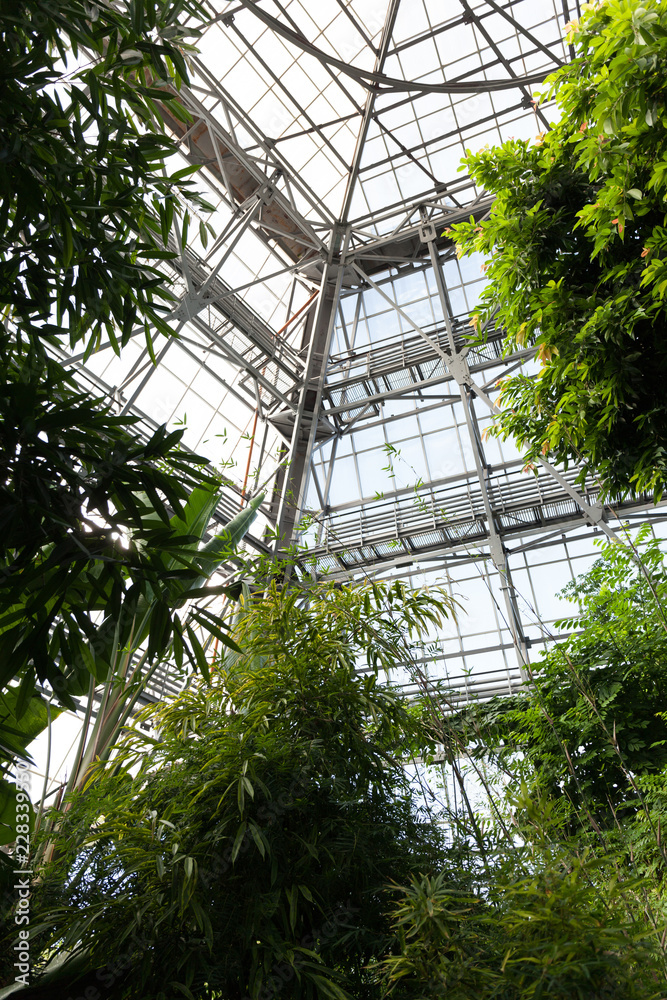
(322, 346)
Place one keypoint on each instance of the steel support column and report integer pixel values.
(593, 513)
(497, 550)
(459, 369)
(306, 419)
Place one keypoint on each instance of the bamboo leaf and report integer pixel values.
(238, 840)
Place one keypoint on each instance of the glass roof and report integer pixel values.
(321, 331)
(297, 72)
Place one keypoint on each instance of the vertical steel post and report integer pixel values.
(459, 369)
(308, 411)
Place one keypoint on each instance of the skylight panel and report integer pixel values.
(454, 44)
(197, 418)
(111, 368)
(245, 80)
(300, 13)
(533, 12)
(376, 150)
(346, 42)
(503, 100)
(166, 395)
(373, 474)
(321, 171)
(301, 84)
(301, 150)
(345, 141)
(549, 33)
(273, 116)
(531, 63)
(371, 14)
(276, 52)
(524, 127)
(408, 135)
(205, 385)
(320, 110)
(180, 362)
(419, 60)
(411, 21)
(219, 49)
(346, 485)
(254, 32)
(395, 113)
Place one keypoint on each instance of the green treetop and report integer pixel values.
(577, 255)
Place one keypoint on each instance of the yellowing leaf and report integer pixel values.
(546, 352)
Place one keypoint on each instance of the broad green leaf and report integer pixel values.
(14, 813)
(212, 554)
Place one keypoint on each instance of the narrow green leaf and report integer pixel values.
(238, 840)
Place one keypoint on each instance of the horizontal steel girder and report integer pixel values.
(250, 343)
(450, 518)
(395, 368)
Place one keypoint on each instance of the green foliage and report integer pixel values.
(10, 816)
(576, 251)
(93, 560)
(565, 897)
(17, 732)
(567, 933)
(262, 839)
(156, 633)
(440, 941)
(88, 538)
(247, 845)
(86, 204)
(558, 931)
(593, 717)
(85, 527)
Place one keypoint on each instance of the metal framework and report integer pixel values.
(322, 336)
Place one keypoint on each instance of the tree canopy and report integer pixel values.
(264, 840)
(594, 716)
(576, 255)
(90, 514)
(248, 844)
(87, 204)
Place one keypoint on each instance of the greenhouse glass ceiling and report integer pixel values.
(321, 351)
